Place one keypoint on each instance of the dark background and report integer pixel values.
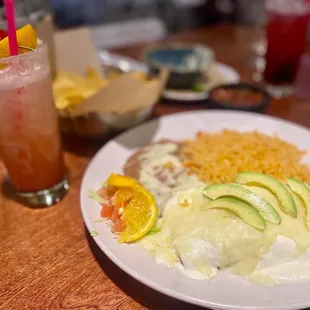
(177, 15)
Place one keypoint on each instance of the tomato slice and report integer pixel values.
(115, 215)
(111, 190)
(106, 211)
(112, 209)
(103, 192)
(119, 226)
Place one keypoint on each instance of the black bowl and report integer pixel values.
(174, 56)
(259, 106)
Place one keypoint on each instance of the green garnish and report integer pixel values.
(94, 233)
(94, 195)
(197, 88)
(99, 221)
(153, 231)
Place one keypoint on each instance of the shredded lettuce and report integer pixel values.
(154, 231)
(94, 195)
(101, 220)
(94, 233)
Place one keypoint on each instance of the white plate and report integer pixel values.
(226, 291)
(229, 74)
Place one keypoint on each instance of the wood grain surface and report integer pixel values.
(49, 261)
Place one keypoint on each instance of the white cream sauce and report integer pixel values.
(201, 243)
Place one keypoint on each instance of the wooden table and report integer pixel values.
(48, 260)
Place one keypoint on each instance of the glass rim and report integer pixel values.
(303, 9)
(41, 46)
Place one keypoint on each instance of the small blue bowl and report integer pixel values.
(185, 62)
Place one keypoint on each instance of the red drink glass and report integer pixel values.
(30, 142)
(286, 35)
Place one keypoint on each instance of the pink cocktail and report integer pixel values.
(286, 35)
(30, 143)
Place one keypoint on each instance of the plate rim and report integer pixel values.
(149, 283)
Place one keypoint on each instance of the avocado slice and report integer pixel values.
(303, 191)
(246, 212)
(264, 208)
(265, 194)
(271, 198)
(287, 202)
(300, 205)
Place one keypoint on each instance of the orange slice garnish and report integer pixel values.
(26, 36)
(140, 213)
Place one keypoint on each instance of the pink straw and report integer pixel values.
(10, 20)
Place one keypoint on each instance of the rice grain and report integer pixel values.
(219, 157)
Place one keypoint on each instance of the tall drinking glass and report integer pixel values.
(30, 142)
(286, 35)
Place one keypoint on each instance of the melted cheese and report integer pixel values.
(203, 242)
(200, 243)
